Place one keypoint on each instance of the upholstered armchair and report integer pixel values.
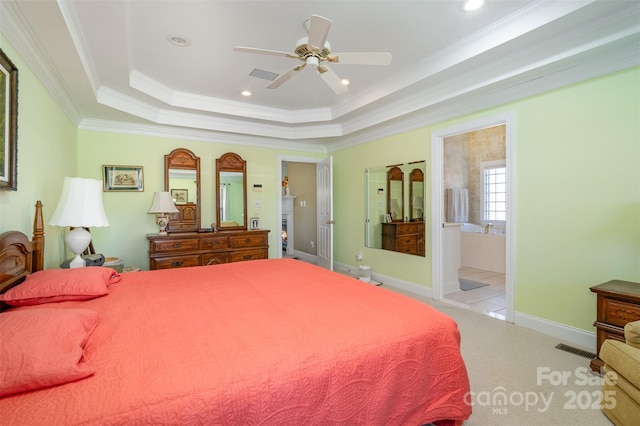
(622, 377)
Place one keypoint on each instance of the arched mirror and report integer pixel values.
(231, 194)
(182, 180)
(416, 195)
(395, 194)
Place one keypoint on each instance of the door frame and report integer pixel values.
(282, 158)
(437, 201)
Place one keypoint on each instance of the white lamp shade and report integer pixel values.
(163, 203)
(80, 204)
(417, 203)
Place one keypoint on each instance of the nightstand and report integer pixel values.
(618, 304)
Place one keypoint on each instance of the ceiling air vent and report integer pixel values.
(266, 75)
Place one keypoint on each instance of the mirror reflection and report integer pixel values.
(182, 181)
(394, 206)
(231, 199)
(231, 194)
(183, 186)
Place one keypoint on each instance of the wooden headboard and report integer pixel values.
(20, 256)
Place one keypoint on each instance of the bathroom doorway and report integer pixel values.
(473, 233)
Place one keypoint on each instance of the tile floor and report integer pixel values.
(489, 300)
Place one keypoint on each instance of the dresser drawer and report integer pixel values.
(239, 256)
(175, 262)
(177, 245)
(215, 258)
(618, 312)
(215, 243)
(409, 228)
(242, 241)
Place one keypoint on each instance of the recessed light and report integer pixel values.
(471, 5)
(346, 81)
(245, 93)
(178, 40)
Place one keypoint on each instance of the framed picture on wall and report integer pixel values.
(180, 195)
(254, 223)
(122, 178)
(8, 124)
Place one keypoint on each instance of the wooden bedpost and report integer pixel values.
(38, 238)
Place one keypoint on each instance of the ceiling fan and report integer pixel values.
(315, 51)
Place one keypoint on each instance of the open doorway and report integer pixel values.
(305, 209)
(472, 220)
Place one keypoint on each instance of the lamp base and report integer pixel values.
(77, 262)
(163, 221)
(78, 240)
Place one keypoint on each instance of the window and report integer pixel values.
(494, 191)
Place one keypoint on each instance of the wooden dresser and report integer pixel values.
(404, 237)
(618, 303)
(184, 249)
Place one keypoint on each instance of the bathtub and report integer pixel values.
(480, 250)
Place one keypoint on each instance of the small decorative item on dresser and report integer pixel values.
(161, 206)
(255, 223)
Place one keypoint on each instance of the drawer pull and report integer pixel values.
(247, 257)
(178, 263)
(177, 245)
(248, 240)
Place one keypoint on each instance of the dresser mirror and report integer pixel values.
(416, 195)
(395, 193)
(182, 180)
(231, 196)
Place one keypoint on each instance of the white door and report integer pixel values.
(324, 173)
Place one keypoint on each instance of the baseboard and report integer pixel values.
(386, 280)
(575, 336)
(311, 258)
(578, 337)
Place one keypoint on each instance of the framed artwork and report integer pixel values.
(8, 124)
(254, 223)
(122, 178)
(180, 195)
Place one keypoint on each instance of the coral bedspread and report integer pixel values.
(263, 342)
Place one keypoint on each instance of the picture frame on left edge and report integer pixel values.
(9, 130)
(122, 178)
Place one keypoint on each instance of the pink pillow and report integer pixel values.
(58, 285)
(43, 347)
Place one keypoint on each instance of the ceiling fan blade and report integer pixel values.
(284, 77)
(318, 31)
(332, 79)
(360, 58)
(264, 52)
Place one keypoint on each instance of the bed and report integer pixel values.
(271, 342)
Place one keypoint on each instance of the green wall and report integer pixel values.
(46, 154)
(577, 188)
(127, 211)
(577, 196)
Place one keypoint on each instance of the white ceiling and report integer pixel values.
(111, 67)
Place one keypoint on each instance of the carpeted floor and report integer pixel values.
(517, 375)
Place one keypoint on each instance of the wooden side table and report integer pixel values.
(618, 304)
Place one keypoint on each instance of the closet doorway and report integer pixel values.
(472, 233)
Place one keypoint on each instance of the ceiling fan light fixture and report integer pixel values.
(346, 81)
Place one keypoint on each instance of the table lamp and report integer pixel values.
(162, 205)
(80, 206)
